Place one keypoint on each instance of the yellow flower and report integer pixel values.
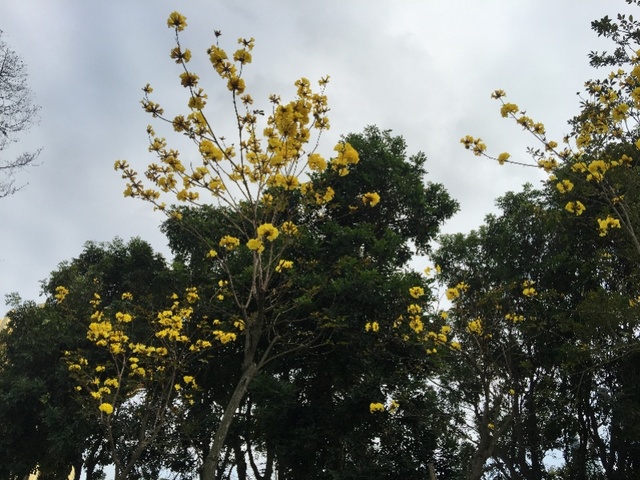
(284, 264)
(508, 108)
(61, 293)
(192, 295)
(269, 231)
(416, 292)
(452, 293)
(564, 186)
(416, 324)
(229, 242)
(256, 245)
(475, 326)
(503, 157)
(376, 407)
(528, 289)
(575, 207)
(187, 379)
(317, 163)
(328, 195)
(177, 21)
(619, 112)
(371, 199)
(605, 224)
(212, 254)
(106, 408)
(127, 296)
(289, 228)
(372, 326)
(124, 317)
(414, 309)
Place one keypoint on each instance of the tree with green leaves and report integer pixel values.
(352, 263)
(50, 428)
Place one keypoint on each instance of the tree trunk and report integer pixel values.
(211, 462)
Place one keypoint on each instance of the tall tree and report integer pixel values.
(50, 427)
(352, 261)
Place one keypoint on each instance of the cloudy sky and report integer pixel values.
(423, 68)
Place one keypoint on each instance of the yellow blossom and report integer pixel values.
(229, 242)
(575, 207)
(289, 228)
(255, 244)
(371, 199)
(605, 224)
(192, 295)
(177, 21)
(416, 292)
(123, 317)
(106, 408)
(61, 293)
(564, 186)
(283, 264)
(269, 231)
(372, 326)
(376, 407)
(416, 324)
(528, 289)
(317, 163)
(503, 157)
(508, 108)
(475, 326)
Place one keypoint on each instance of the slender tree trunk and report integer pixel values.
(211, 462)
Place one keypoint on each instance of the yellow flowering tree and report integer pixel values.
(591, 200)
(350, 278)
(255, 174)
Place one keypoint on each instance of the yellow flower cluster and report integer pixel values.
(454, 292)
(372, 326)
(529, 289)
(61, 293)
(229, 242)
(515, 318)
(596, 170)
(607, 223)
(564, 186)
(106, 408)
(379, 407)
(284, 265)
(575, 207)
(475, 326)
(416, 292)
(474, 144)
(371, 199)
(347, 156)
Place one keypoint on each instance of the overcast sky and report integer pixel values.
(422, 68)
